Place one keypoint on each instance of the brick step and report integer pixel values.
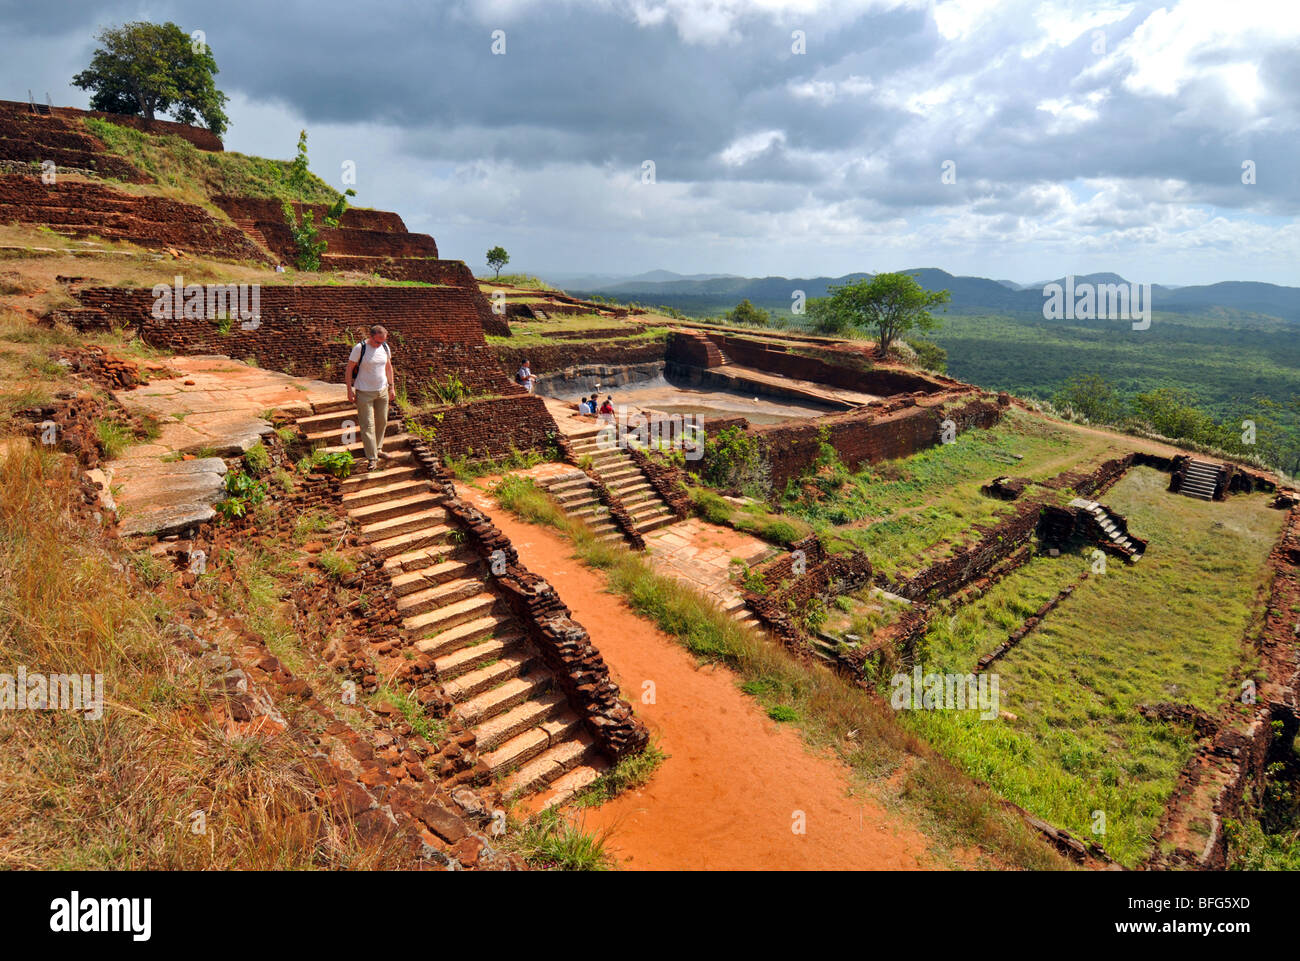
(528, 713)
(429, 537)
(523, 747)
(468, 657)
(637, 498)
(424, 568)
(631, 473)
(406, 469)
(434, 597)
(567, 498)
(508, 694)
(635, 488)
(550, 765)
(491, 675)
(379, 493)
(407, 523)
(431, 625)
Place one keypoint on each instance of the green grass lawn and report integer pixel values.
(1169, 628)
(906, 514)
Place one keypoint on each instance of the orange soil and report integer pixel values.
(727, 796)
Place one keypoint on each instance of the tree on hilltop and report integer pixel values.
(144, 69)
(889, 304)
(497, 258)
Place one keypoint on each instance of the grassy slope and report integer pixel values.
(197, 175)
(1168, 629)
(905, 513)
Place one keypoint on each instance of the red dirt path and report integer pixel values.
(726, 796)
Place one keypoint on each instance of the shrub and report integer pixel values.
(710, 506)
(338, 463)
(780, 532)
(335, 564)
(257, 459)
(733, 459)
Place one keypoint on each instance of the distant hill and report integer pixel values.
(712, 292)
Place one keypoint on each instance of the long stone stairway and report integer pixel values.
(625, 480)
(526, 734)
(1201, 479)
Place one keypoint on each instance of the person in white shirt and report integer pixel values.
(369, 378)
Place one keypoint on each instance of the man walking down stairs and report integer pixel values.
(526, 734)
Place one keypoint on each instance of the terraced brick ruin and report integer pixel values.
(429, 657)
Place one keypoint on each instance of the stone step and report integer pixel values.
(331, 420)
(432, 566)
(438, 596)
(433, 624)
(429, 537)
(507, 694)
(392, 443)
(550, 763)
(518, 664)
(523, 747)
(467, 658)
(629, 473)
(333, 406)
(334, 435)
(657, 522)
(561, 488)
(407, 523)
(571, 782)
(377, 494)
(405, 469)
(527, 714)
(638, 498)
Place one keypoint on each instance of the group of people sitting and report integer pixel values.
(590, 406)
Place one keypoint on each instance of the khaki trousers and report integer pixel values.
(372, 418)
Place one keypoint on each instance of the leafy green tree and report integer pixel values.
(889, 304)
(306, 237)
(497, 258)
(749, 315)
(146, 68)
(1174, 413)
(300, 169)
(1093, 397)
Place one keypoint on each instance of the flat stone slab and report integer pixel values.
(213, 406)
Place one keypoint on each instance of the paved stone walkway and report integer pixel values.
(700, 554)
(212, 408)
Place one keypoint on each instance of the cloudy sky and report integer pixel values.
(1009, 139)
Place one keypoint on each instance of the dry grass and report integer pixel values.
(121, 792)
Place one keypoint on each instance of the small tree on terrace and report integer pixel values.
(889, 304)
(497, 258)
(148, 68)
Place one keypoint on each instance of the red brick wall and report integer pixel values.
(28, 138)
(309, 331)
(777, 359)
(349, 242)
(79, 208)
(490, 429)
(259, 208)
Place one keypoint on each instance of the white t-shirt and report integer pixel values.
(372, 372)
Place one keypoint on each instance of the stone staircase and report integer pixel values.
(1200, 479)
(575, 492)
(625, 480)
(526, 734)
(1112, 530)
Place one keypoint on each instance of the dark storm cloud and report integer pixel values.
(859, 126)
